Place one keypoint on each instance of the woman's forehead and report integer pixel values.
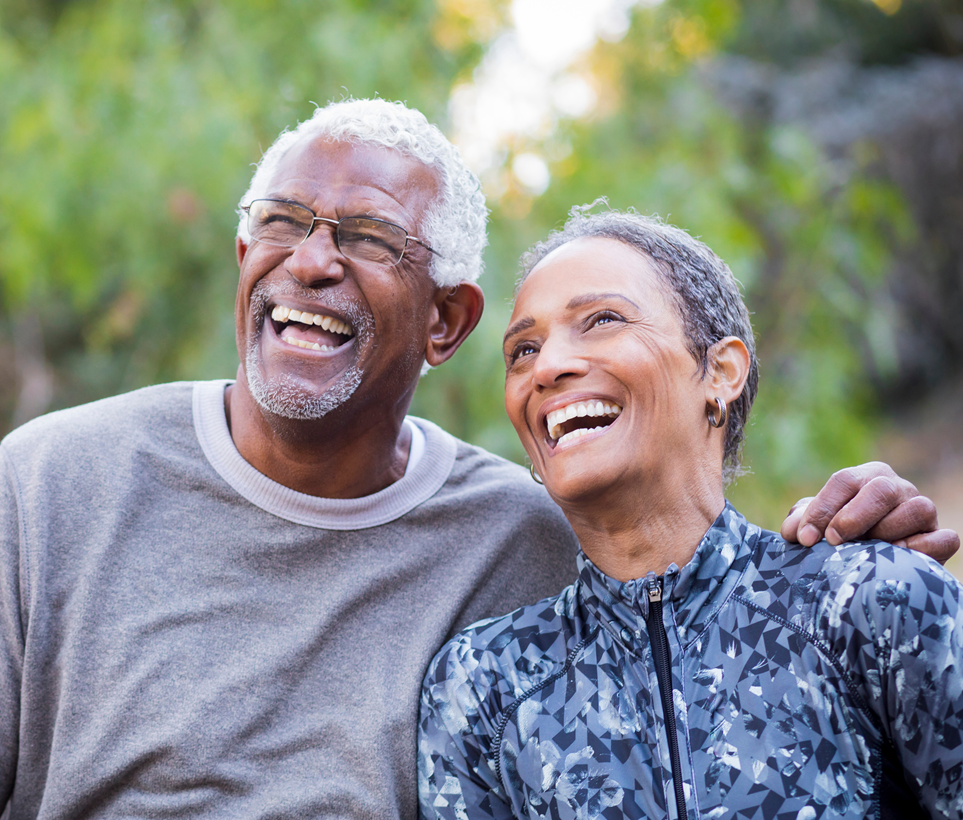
(588, 264)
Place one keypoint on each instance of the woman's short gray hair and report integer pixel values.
(454, 224)
(706, 293)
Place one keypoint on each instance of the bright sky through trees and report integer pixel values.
(528, 80)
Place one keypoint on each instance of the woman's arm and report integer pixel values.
(908, 617)
(456, 776)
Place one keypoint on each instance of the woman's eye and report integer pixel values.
(603, 319)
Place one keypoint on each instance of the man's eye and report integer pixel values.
(285, 219)
(521, 350)
(282, 217)
(356, 237)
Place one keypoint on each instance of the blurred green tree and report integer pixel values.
(811, 239)
(127, 131)
(127, 134)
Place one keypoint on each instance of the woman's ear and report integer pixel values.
(456, 312)
(728, 370)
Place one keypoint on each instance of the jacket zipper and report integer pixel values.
(660, 657)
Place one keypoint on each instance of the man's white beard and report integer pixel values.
(284, 396)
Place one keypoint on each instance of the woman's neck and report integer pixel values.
(647, 531)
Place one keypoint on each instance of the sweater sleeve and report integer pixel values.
(11, 630)
(456, 770)
(911, 616)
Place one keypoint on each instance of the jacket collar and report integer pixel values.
(695, 592)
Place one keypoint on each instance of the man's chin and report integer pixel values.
(286, 397)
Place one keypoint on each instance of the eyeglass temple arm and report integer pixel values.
(425, 245)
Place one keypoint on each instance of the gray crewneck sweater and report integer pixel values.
(180, 636)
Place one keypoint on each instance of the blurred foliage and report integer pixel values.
(887, 32)
(811, 246)
(127, 133)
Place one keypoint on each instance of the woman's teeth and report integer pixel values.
(557, 418)
(580, 432)
(283, 314)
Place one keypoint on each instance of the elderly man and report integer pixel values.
(219, 599)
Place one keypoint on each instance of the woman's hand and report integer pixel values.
(870, 501)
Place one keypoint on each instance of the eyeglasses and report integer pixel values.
(362, 238)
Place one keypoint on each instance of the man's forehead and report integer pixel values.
(324, 161)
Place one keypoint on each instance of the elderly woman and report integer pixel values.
(699, 667)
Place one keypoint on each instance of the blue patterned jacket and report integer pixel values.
(763, 680)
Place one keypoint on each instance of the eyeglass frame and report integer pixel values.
(337, 229)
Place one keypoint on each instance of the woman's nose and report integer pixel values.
(557, 360)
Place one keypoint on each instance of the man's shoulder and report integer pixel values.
(479, 474)
(105, 420)
(477, 470)
(496, 530)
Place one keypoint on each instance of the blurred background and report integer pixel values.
(816, 145)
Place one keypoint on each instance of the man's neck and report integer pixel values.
(343, 455)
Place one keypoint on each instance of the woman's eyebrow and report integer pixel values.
(588, 298)
(574, 303)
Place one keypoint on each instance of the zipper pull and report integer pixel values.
(653, 585)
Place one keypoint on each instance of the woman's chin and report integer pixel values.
(573, 488)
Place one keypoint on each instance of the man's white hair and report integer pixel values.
(454, 223)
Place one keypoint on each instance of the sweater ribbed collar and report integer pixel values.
(416, 486)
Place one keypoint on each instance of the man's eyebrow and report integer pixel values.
(518, 327)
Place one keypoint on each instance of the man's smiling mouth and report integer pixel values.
(580, 417)
(312, 331)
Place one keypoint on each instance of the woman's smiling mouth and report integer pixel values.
(579, 418)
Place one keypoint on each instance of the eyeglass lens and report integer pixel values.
(359, 238)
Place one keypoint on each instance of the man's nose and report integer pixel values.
(317, 260)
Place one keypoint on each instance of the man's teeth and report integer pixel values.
(556, 418)
(283, 314)
(308, 345)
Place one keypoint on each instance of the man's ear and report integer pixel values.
(455, 313)
(728, 369)
(241, 247)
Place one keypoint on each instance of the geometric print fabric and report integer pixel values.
(806, 684)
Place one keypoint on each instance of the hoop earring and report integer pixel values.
(723, 412)
(535, 476)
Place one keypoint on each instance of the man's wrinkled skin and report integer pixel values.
(870, 495)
